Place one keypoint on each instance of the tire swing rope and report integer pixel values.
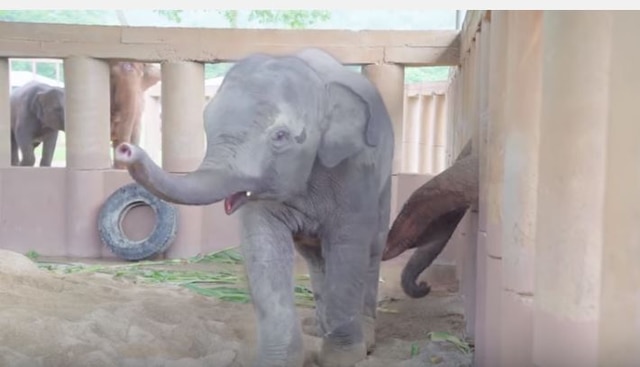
(113, 212)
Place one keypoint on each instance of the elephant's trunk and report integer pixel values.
(430, 244)
(419, 261)
(201, 187)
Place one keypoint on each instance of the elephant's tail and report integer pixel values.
(421, 258)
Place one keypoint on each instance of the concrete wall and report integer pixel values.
(550, 98)
(38, 221)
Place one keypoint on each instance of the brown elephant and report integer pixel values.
(429, 218)
(37, 114)
(129, 81)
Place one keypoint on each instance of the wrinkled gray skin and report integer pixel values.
(313, 143)
(37, 114)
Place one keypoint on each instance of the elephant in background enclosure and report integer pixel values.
(37, 111)
(129, 81)
(429, 218)
(37, 114)
(301, 147)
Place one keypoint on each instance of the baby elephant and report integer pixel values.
(37, 114)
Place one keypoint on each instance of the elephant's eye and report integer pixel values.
(280, 139)
(280, 135)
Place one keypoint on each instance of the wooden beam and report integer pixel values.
(155, 44)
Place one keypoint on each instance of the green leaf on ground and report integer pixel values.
(443, 336)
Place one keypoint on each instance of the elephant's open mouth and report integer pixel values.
(233, 202)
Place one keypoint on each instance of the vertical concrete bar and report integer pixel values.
(452, 96)
(573, 137)
(183, 142)
(389, 79)
(427, 124)
(453, 93)
(520, 186)
(440, 135)
(5, 124)
(619, 327)
(5, 114)
(87, 110)
(467, 249)
(411, 134)
(488, 285)
(183, 139)
(87, 141)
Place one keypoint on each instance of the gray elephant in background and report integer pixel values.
(37, 114)
(300, 146)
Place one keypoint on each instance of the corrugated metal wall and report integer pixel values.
(425, 128)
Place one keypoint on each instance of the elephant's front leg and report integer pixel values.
(268, 251)
(48, 148)
(347, 254)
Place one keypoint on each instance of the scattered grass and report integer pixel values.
(225, 285)
(33, 255)
(415, 350)
(442, 336)
(225, 256)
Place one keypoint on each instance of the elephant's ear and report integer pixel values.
(356, 116)
(37, 104)
(356, 111)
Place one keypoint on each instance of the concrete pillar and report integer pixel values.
(468, 127)
(87, 111)
(573, 137)
(439, 135)
(619, 328)
(5, 113)
(87, 141)
(428, 122)
(411, 135)
(183, 141)
(489, 254)
(476, 323)
(389, 79)
(520, 177)
(450, 106)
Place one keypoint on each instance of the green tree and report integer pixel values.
(288, 19)
(426, 73)
(91, 17)
(284, 18)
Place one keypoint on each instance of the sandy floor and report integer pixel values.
(96, 320)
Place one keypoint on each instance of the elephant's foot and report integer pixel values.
(332, 355)
(369, 331)
(290, 358)
(310, 327)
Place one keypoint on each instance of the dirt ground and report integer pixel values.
(55, 319)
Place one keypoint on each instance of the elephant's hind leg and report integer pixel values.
(48, 148)
(15, 159)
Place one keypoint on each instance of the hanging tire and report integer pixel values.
(113, 212)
